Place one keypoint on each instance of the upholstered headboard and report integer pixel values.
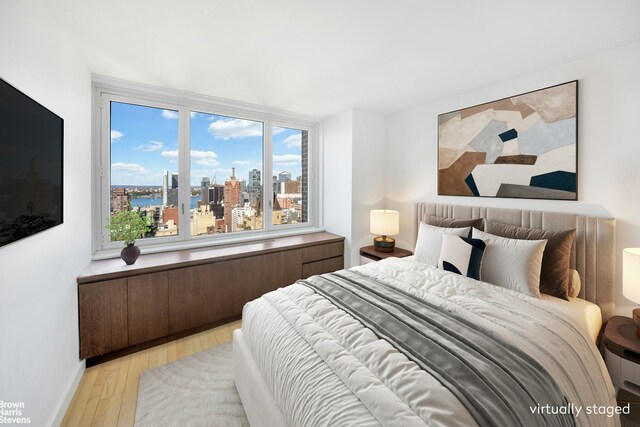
(593, 252)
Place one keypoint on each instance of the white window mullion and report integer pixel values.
(267, 177)
(104, 171)
(184, 184)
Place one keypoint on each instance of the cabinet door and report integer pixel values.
(212, 292)
(198, 296)
(269, 272)
(103, 317)
(148, 307)
(279, 269)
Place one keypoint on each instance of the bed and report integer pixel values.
(305, 357)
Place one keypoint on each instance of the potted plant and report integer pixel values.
(128, 226)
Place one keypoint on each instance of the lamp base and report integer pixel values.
(636, 320)
(384, 244)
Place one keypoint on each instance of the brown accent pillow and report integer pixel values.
(554, 277)
(455, 223)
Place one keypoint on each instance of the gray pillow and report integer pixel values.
(455, 223)
(554, 277)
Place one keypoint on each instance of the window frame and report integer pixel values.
(106, 90)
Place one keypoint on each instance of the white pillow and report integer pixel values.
(461, 255)
(574, 284)
(429, 243)
(512, 263)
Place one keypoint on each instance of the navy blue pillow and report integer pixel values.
(462, 255)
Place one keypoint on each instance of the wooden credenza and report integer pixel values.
(125, 308)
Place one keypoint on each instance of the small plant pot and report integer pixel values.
(130, 254)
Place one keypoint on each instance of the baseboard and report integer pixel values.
(68, 396)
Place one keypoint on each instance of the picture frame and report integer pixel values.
(523, 146)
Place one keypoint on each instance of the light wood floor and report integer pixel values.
(108, 393)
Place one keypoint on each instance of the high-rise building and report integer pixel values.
(304, 179)
(120, 199)
(275, 185)
(243, 184)
(202, 221)
(169, 189)
(254, 186)
(165, 187)
(254, 179)
(290, 187)
(284, 176)
(204, 189)
(232, 199)
(216, 193)
(172, 197)
(170, 214)
(217, 209)
(276, 213)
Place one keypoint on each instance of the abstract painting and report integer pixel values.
(524, 146)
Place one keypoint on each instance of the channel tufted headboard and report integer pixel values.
(593, 252)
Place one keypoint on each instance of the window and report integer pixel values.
(226, 164)
(290, 183)
(143, 143)
(202, 170)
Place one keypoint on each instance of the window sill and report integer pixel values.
(203, 244)
(107, 269)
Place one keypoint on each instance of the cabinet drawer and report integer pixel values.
(324, 266)
(316, 253)
(630, 371)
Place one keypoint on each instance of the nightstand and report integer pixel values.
(622, 356)
(369, 254)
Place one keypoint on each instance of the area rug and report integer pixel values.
(197, 390)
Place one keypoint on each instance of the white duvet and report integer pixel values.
(325, 369)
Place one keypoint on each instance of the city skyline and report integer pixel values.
(144, 143)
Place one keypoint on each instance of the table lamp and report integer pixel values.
(631, 281)
(385, 223)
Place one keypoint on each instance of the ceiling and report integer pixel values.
(327, 56)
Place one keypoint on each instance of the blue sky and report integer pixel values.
(144, 142)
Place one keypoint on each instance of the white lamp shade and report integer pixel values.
(384, 222)
(631, 274)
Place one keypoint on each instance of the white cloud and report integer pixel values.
(202, 158)
(129, 169)
(169, 114)
(116, 135)
(277, 130)
(287, 159)
(194, 114)
(150, 147)
(242, 162)
(294, 140)
(205, 158)
(170, 154)
(234, 128)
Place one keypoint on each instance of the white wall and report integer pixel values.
(608, 147)
(337, 152)
(369, 132)
(353, 184)
(39, 360)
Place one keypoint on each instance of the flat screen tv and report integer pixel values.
(31, 139)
